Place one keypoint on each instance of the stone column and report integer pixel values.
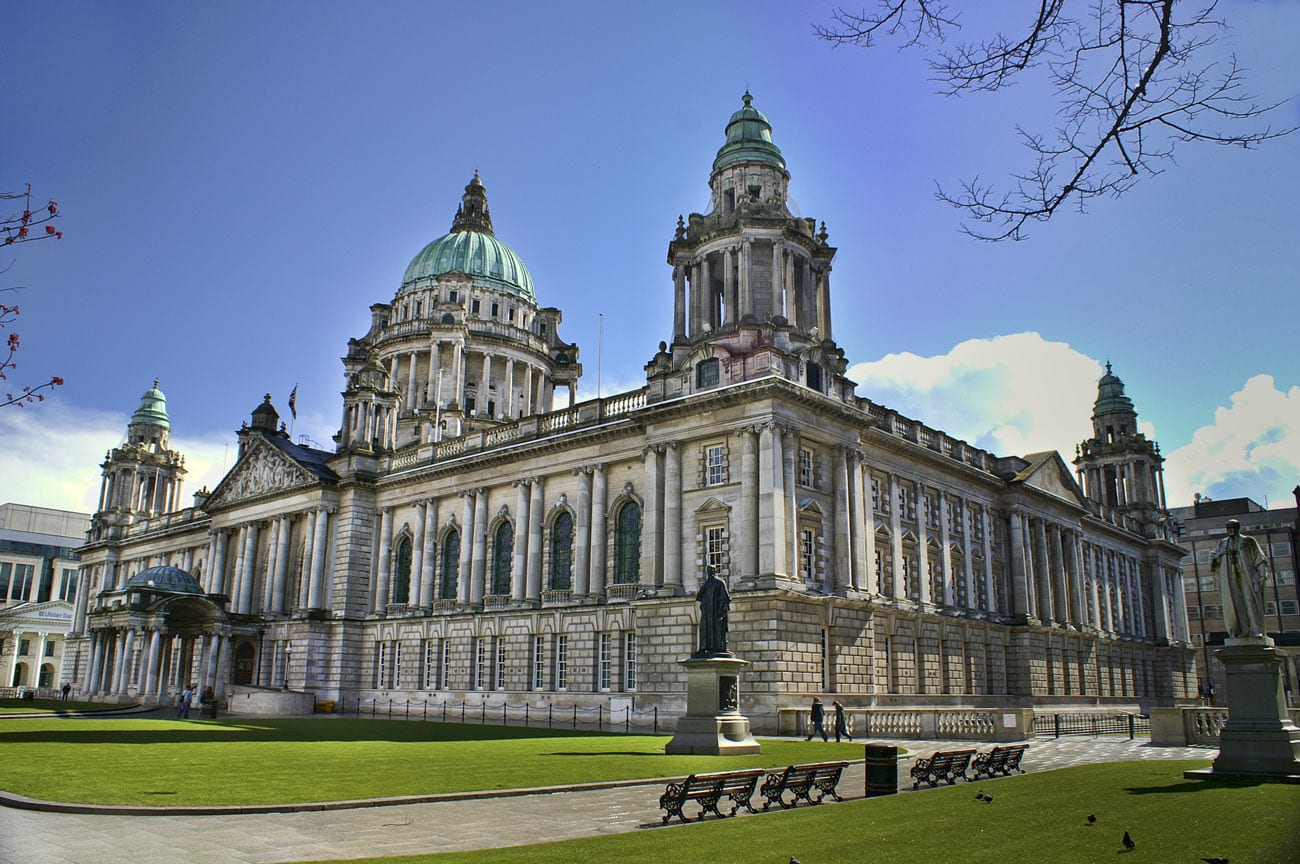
(415, 586)
(431, 384)
(152, 667)
(249, 577)
(508, 406)
(729, 282)
(535, 516)
(945, 551)
(1042, 572)
(778, 279)
(582, 540)
(746, 295)
(280, 577)
(599, 531)
(672, 517)
(519, 573)
(746, 539)
(429, 559)
(787, 500)
(679, 302)
(923, 546)
(463, 589)
(652, 519)
(485, 389)
(771, 500)
(478, 562)
(95, 671)
(409, 395)
(320, 543)
(869, 578)
(128, 649)
(1074, 575)
(842, 577)
(898, 572)
(1060, 597)
(1017, 561)
(384, 562)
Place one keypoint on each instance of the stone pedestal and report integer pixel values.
(713, 725)
(1259, 741)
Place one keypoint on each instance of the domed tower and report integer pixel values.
(143, 477)
(751, 279)
(462, 346)
(1118, 468)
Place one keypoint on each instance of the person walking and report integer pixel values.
(187, 698)
(841, 723)
(817, 722)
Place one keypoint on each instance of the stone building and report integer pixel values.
(39, 570)
(466, 542)
(1200, 529)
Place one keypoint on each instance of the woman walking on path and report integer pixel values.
(841, 724)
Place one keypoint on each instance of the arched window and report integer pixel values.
(562, 552)
(503, 550)
(706, 373)
(815, 377)
(450, 568)
(627, 544)
(402, 571)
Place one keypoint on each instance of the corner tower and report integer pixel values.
(1118, 468)
(751, 280)
(143, 477)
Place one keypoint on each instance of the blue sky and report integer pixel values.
(241, 181)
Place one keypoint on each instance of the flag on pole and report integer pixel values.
(293, 402)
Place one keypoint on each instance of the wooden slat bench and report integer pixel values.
(1002, 759)
(709, 790)
(945, 765)
(801, 781)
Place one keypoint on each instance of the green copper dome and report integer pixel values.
(473, 249)
(1110, 396)
(749, 139)
(153, 408)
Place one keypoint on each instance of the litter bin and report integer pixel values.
(882, 770)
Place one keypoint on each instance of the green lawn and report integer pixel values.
(1037, 817)
(274, 761)
(47, 706)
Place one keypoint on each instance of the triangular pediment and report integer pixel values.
(712, 507)
(1048, 473)
(261, 471)
(52, 616)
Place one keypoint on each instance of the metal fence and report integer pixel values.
(1094, 724)
(546, 716)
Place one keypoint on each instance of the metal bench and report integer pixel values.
(944, 765)
(999, 760)
(709, 790)
(801, 781)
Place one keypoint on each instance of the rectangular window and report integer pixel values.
(480, 663)
(1270, 608)
(805, 467)
(629, 661)
(1203, 556)
(1212, 612)
(808, 554)
(444, 665)
(715, 547)
(499, 681)
(24, 646)
(539, 662)
(68, 584)
(496, 310)
(1285, 577)
(429, 681)
(875, 496)
(1288, 607)
(1281, 549)
(604, 674)
(715, 465)
(381, 664)
(1193, 613)
(395, 676)
(49, 648)
(5, 569)
(474, 306)
(561, 662)
(22, 587)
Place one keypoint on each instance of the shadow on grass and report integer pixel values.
(272, 730)
(655, 753)
(1186, 786)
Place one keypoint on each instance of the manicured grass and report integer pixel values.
(1036, 817)
(46, 706)
(276, 761)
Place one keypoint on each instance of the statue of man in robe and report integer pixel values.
(1242, 571)
(715, 603)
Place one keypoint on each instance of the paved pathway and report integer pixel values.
(35, 837)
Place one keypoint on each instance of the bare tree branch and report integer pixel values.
(17, 228)
(1132, 79)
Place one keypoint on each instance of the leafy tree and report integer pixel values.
(24, 227)
(1132, 78)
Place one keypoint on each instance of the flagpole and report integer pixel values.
(600, 354)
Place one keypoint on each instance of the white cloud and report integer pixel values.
(1011, 395)
(51, 453)
(1252, 449)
